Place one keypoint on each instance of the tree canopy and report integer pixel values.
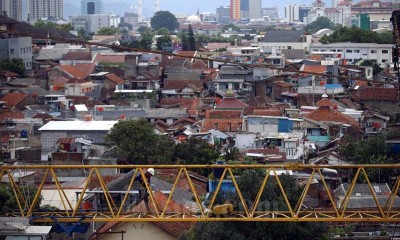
(136, 140)
(163, 40)
(48, 24)
(370, 151)
(249, 183)
(14, 65)
(8, 201)
(191, 39)
(357, 35)
(320, 23)
(164, 19)
(108, 31)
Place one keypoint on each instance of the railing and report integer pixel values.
(161, 209)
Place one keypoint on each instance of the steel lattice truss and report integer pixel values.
(248, 210)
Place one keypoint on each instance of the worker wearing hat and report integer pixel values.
(143, 194)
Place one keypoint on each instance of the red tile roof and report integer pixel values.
(77, 80)
(327, 114)
(43, 116)
(223, 125)
(86, 68)
(314, 68)
(66, 140)
(109, 58)
(60, 81)
(7, 113)
(196, 85)
(114, 78)
(226, 114)
(283, 84)
(379, 94)
(12, 99)
(73, 71)
(325, 102)
(268, 112)
(78, 56)
(231, 103)
(186, 54)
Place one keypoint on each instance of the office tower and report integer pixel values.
(292, 13)
(235, 10)
(45, 9)
(91, 7)
(12, 8)
(250, 9)
(255, 9)
(223, 15)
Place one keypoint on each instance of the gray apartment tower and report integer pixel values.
(45, 9)
(89, 7)
(11, 8)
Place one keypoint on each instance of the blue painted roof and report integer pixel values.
(318, 138)
(333, 86)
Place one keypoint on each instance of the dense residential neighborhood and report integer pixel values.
(242, 86)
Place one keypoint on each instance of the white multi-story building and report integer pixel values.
(318, 10)
(45, 8)
(19, 47)
(90, 23)
(292, 13)
(115, 20)
(351, 52)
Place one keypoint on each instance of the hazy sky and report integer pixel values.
(174, 6)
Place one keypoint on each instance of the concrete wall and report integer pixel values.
(137, 230)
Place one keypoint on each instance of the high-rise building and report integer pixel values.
(292, 13)
(223, 15)
(255, 9)
(12, 8)
(272, 13)
(235, 10)
(250, 9)
(91, 7)
(45, 9)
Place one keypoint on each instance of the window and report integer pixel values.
(12, 51)
(340, 50)
(349, 51)
(373, 51)
(357, 51)
(384, 60)
(385, 51)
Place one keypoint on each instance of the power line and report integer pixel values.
(130, 49)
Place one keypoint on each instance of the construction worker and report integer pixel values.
(143, 194)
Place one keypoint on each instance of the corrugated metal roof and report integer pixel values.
(78, 126)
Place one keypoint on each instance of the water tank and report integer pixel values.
(24, 133)
(217, 172)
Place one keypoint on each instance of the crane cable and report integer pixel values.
(246, 65)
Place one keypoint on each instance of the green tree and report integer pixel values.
(14, 65)
(376, 69)
(191, 39)
(107, 31)
(143, 29)
(8, 201)
(370, 151)
(162, 40)
(357, 35)
(164, 19)
(249, 183)
(184, 41)
(195, 151)
(65, 27)
(230, 26)
(136, 140)
(163, 31)
(146, 40)
(320, 23)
